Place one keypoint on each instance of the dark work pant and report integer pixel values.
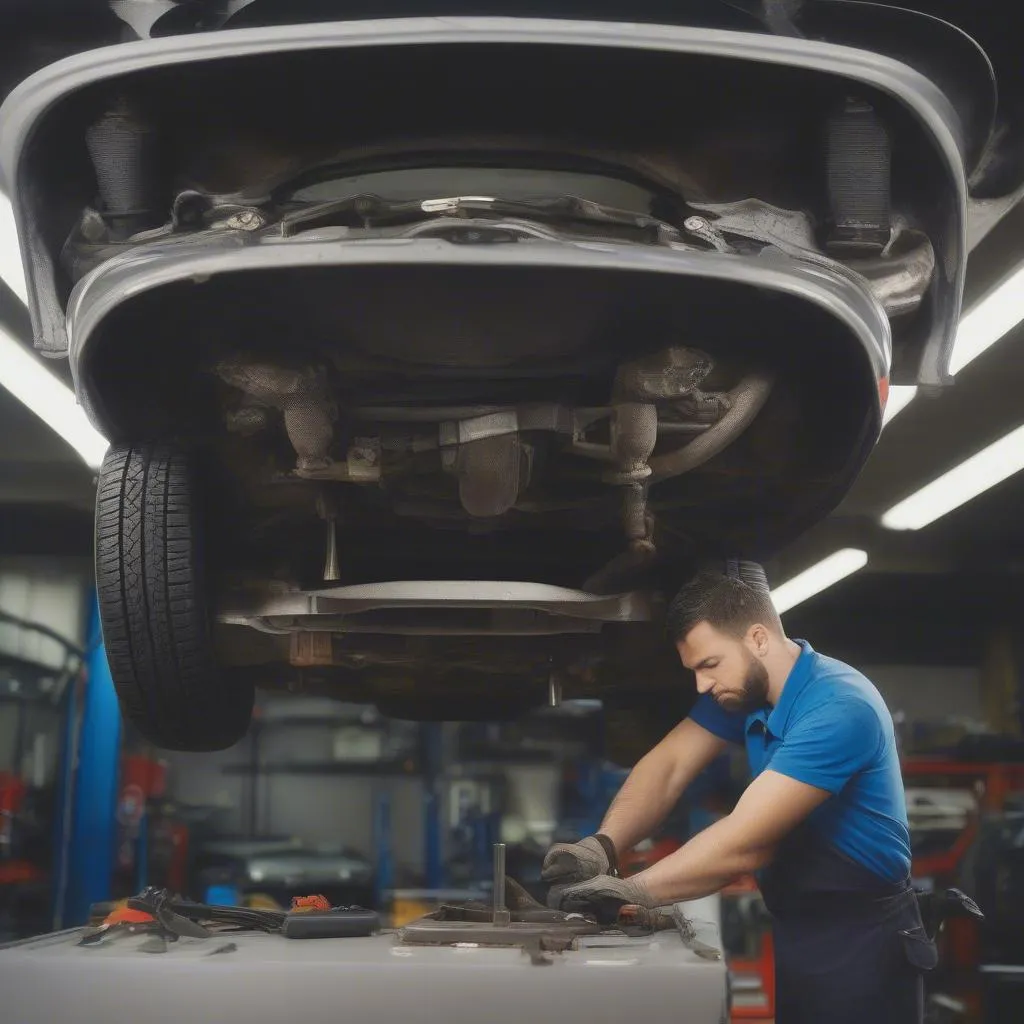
(850, 948)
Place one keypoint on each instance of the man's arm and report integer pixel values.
(822, 751)
(657, 782)
(737, 844)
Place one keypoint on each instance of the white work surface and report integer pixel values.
(608, 980)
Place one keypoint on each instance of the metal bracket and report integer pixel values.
(518, 609)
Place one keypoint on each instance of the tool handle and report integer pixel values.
(330, 924)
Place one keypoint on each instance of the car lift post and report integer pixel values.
(385, 874)
(90, 866)
(433, 804)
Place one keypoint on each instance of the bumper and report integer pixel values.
(42, 101)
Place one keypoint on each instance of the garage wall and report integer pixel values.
(46, 592)
(334, 809)
(929, 692)
(53, 593)
(319, 809)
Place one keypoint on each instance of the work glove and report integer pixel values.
(566, 863)
(603, 896)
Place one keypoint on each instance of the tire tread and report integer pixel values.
(153, 607)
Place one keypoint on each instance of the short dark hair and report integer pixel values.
(731, 601)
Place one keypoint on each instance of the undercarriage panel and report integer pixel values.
(640, 80)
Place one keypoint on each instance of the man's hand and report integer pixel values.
(603, 894)
(568, 863)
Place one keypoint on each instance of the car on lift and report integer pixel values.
(436, 351)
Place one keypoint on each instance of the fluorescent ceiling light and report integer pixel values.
(25, 377)
(900, 396)
(992, 317)
(818, 577)
(990, 466)
(989, 319)
(11, 269)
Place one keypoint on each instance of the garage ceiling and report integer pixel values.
(46, 491)
(934, 595)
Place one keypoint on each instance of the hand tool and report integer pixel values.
(310, 917)
(502, 916)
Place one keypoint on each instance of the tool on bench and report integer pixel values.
(502, 916)
(614, 913)
(313, 917)
(642, 920)
(160, 912)
(636, 921)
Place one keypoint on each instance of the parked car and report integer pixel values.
(436, 352)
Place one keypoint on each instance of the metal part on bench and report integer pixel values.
(521, 921)
(451, 607)
(545, 937)
(502, 917)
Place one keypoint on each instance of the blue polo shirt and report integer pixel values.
(830, 729)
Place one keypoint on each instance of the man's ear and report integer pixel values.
(757, 639)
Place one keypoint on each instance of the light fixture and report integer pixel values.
(818, 577)
(994, 315)
(985, 469)
(900, 396)
(25, 377)
(11, 269)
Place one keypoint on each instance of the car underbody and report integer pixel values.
(450, 347)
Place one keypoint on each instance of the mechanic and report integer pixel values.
(823, 822)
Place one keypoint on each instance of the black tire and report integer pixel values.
(152, 599)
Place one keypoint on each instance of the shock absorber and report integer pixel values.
(125, 152)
